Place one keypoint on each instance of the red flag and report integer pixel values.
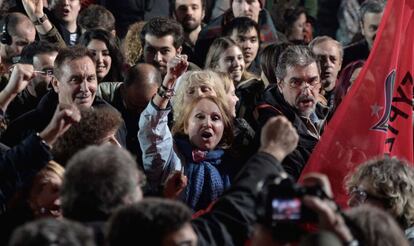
(376, 116)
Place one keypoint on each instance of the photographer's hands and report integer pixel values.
(278, 138)
(329, 217)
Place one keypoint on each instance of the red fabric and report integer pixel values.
(355, 133)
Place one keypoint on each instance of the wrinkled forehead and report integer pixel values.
(78, 66)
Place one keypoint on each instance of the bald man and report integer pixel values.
(131, 98)
(17, 31)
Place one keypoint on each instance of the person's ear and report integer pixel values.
(179, 50)
(203, 14)
(55, 84)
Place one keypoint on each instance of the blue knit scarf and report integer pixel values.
(206, 179)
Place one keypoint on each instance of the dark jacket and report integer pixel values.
(19, 164)
(22, 103)
(36, 120)
(231, 219)
(273, 104)
(111, 93)
(356, 51)
(268, 33)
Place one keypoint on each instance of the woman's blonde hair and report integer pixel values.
(51, 167)
(217, 48)
(192, 79)
(131, 47)
(391, 179)
(181, 123)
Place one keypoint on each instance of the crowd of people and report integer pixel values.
(191, 128)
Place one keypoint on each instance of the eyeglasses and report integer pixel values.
(300, 83)
(361, 196)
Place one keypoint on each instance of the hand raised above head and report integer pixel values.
(278, 138)
(20, 78)
(33, 8)
(65, 115)
(175, 68)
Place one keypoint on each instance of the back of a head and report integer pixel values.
(374, 227)
(147, 222)
(94, 127)
(96, 16)
(98, 180)
(143, 74)
(17, 20)
(52, 232)
(295, 55)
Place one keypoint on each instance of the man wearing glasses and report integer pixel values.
(42, 56)
(296, 97)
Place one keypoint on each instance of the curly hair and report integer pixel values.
(181, 122)
(392, 179)
(93, 127)
(132, 46)
(193, 79)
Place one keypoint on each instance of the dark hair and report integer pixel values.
(344, 81)
(269, 58)
(295, 55)
(50, 232)
(242, 25)
(115, 72)
(290, 16)
(370, 6)
(98, 180)
(94, 126)
(36, 48)
(161, 27)
(68, 54)
(142, 71)
(147, 222)
(172, 6)
(96, 16)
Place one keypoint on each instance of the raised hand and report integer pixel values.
(175, 68)
(279, 138)
(19, 78)
(174, 185)
(65, 115)
(33, 8)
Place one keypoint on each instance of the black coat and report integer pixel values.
(276, 105)
(231, 220)
(36, 120)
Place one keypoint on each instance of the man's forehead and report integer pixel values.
(80, 65)
(250, 33)
(159, 42)
(326, 47)
(302, 70)
(188, 2)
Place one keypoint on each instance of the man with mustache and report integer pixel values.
(296, 97)
(190, 14)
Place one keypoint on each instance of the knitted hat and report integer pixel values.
(262, 3)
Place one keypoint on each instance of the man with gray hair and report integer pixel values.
(296, 97)
(330, 54)
(370, 13)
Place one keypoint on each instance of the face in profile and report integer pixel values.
(297, 31)
(44, 195)
(78, 82)
(102, 57)
(232, 62)
(205, 125)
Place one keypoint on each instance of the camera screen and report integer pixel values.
(286, 209)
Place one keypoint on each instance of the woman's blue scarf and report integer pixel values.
(207, 178)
